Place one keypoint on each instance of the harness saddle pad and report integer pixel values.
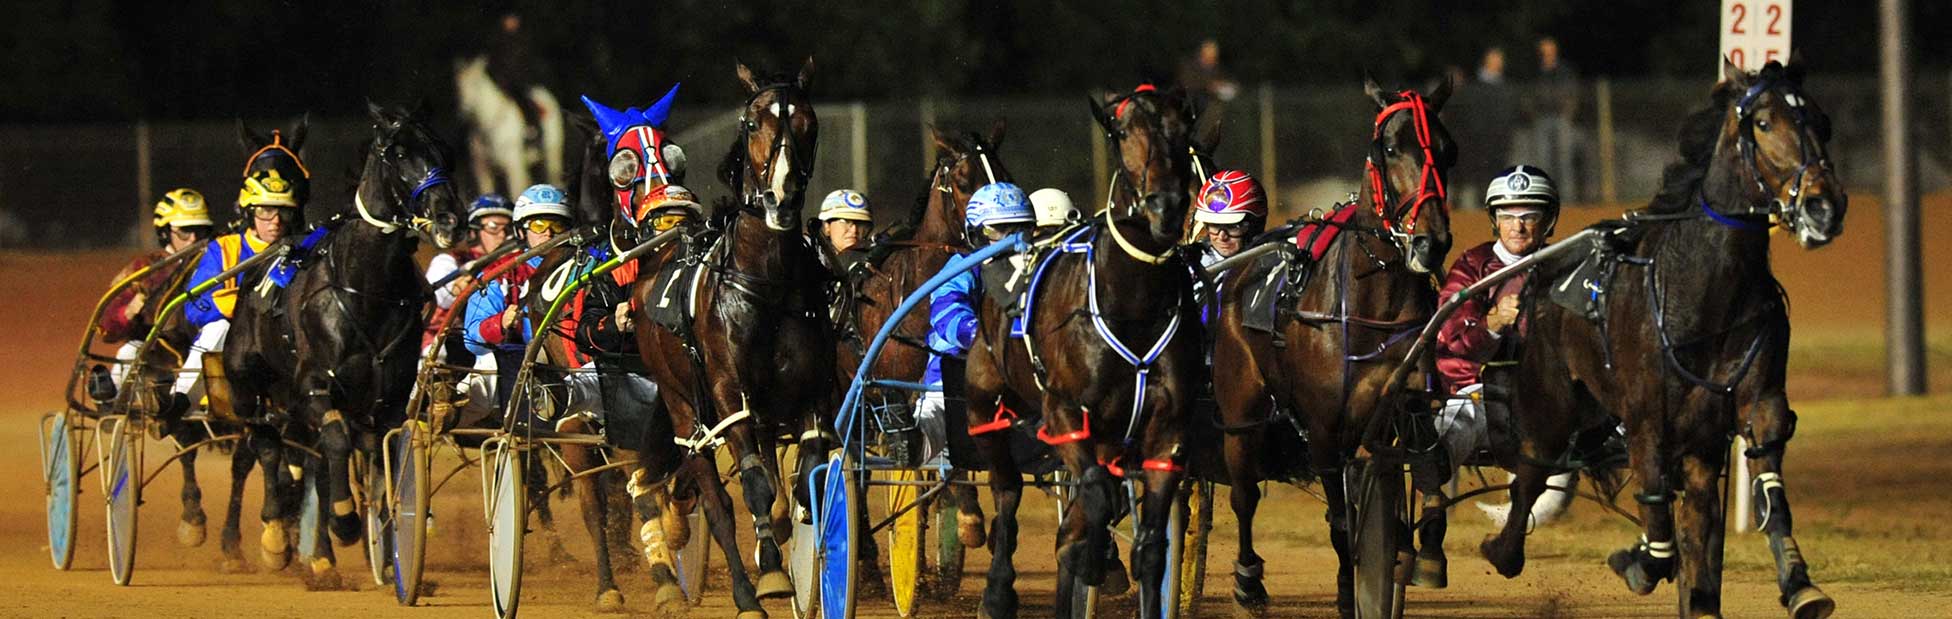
(673, 291)
(1262, 286)
(1580, 283)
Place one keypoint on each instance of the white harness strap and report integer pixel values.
(710, 437)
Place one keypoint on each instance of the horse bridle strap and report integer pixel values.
(436, 176)
(1430, 180)
(1746, 145)
(1133, 250)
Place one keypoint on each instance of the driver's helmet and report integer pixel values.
(486, 205)
(1053, 207)
(1523, 186)
(539, 201)
(1230, 197)
(181, 208)
(845, 204)
(267, 187)
(996, 204)
(667, 206)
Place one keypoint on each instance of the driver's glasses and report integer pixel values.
(542, 225)
(181, 233)
(492, 227)
(266, 213)
(667, 221)
(1530, 219)
(1229, 230)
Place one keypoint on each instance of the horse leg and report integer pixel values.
(718, 511)
(1149, 545)
(1770, 431)
(592, 499)
(1644, 565)
(1006, 490)
(756, 484)
(242, 458)
(1336, 496)
(190, 530)
(324, 574)
(649, 492)
(545, 513)
(335, 448)
(1243, 451)
(1082, 542)
(1701, 529)
(274, 545)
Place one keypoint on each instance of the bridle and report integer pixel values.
(411, 217)
(945, 168)
(798, 162)
(1813, 153)
(1430, 182)
(1116, 136)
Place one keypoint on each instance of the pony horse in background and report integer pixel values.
(502, 155)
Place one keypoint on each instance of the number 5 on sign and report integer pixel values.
(1754, 32)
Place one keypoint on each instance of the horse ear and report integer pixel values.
(806, 74)
(380, 115)
(252, 140)
(1098, 112)
(1734, 74)
(1439, 95)
(1375, 92)
(996, 133)
(745, 77)
(298, 130)
(1794, 70)
(944, 143)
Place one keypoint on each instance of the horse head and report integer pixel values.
(403, 183)
(963, 164)
(1151, 132)
(640, 156)
(770, 164)
(1782, 141)
(1410, 153)
(275, 156)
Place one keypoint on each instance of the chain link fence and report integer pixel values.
(84, 186)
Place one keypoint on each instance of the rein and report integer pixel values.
(435, 177)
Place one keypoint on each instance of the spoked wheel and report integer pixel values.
(1187, 533)
(837, 519)
(372, 481)
(905, 541)
(1377, 489)
(407, 453)
(507, 515)
(59, 467)
(309, 513)
(122, 474)
(693, 558)
(801, 564)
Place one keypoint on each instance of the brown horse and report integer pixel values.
(1109, 361)
(1692, 344)
(754, 361)
(1371, 286)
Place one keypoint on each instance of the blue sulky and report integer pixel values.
(830, 493)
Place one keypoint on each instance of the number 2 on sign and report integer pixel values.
(1741, 12)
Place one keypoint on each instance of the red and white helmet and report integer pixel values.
(1229, 198)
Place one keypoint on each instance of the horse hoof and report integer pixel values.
(232, 566)
(969, 530)
(1431, 572)
(347, 530)
(1626, 564)
(667, 594)
(1116, 582)
(274, 551)
(774, 585)
(752, 614)
(1810, 603)
(1494, 552)
(998, 604)
(324, 576)
(190, 535)
(611, 601)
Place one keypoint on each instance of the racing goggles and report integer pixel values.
(660, 222)
(544, 225)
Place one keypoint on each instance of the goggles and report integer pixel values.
(543, 225)
(265, 213)
(1527, 217)
(665, 221)
(492, 227)
(1234, 230)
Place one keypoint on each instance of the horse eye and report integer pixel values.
(1762, 125)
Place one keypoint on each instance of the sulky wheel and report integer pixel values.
(59, 467)
(408, 456)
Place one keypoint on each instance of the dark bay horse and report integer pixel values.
(1109, 361)
(329, 359)
(1372, 286)
(754, 361)
(1692, 345)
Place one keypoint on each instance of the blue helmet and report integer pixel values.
(998, 203)
(539, 200)
(489, 204)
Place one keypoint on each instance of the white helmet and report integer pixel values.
(1523, 186)
(845, 204)
(539, 200)
(1053, 207)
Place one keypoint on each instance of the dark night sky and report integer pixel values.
(119, 59)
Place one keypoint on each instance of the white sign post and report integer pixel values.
(1754, 32)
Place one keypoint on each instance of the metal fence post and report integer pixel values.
(143, 189)
(1904, 317)
(858, 146)
(1609, 175)
(1269, 179)
(1100, 167)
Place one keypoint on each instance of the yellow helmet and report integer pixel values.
(182, 208)
(267, 188)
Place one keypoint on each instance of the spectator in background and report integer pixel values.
(514, 65)
(1554, 102)
(1482, 116)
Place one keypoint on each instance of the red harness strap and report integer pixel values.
(1149, 464)
(1004, 419)
(1430, 182)
(1067, 437)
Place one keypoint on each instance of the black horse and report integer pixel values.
(1690, 345)
(329, 359)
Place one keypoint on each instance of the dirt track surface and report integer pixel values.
(1866, 477)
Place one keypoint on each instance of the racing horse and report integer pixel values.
(1691, 343)
(607, 189)
(502, 155)
(1351, 305)
(1109, 358)
(329, 358)
(753, 359)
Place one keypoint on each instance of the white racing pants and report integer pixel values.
(1462, 424)
(209, 339)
